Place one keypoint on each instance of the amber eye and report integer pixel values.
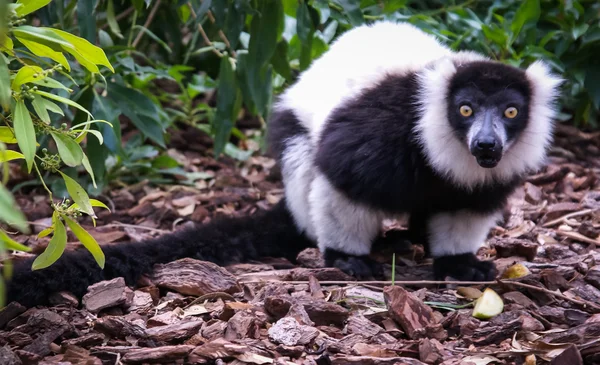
(466, 111)
(511, 112)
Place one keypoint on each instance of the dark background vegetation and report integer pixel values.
(171, 56)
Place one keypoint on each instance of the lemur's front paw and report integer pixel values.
(399, 240)
(360, 267)
(464, 267)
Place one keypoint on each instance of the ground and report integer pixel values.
(269, 312)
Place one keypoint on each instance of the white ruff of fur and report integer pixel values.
(358, 60)
(452, 158)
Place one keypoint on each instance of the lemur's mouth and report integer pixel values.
(487, 162)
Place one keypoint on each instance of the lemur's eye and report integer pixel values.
(511, 112)
(466, 110)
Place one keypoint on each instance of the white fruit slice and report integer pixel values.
(488, 305)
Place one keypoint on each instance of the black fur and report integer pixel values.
(484, 85)
(464, 267)
(223, 241)
(368, 150)
(360, 267)
(283, 125)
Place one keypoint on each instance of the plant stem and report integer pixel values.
(202, 32)
(147, 23)
(448, 9)
(120, 16)
(42, 180)
(130, 38)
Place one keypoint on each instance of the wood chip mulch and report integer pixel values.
(272, 312)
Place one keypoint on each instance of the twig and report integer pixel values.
(397, 282)
(222, 35)
(578, 237)
(125, 225)
(583, 303)
(138, 38)
(567, 216)
(203, 33)
(120, 16)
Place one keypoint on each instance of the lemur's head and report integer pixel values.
(485, 120)
(488, 108)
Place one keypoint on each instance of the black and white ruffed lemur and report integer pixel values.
(387, 122)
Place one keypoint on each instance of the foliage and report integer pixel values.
(247, 51)
(250, 50)
(27, 98)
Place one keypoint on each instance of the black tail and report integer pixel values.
(223, 241)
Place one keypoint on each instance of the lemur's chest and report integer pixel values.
(436, 194)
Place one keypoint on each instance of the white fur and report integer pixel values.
(298, 173)
(358, 59)
(443, 150)
(340, 223)
(459, 232)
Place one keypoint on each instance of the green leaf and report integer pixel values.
(111, 20)
(579, 30)
(10, 212)
(41, 50)
(7, 135)
(154, 37)
(94, 202)
(51, 83)
(27, 74)
(104, 39)
(25, 133)
(98, 203)
(11, 244)
(305, 28)
(529, 12)
(495, 34)
(55, 247)
(88, 167)
(90, 122)
(280, 61)
(40, 108)
(8, 44)
(86, 19)
(10, 155)
(5, 92)
(45, 36)
(29, 6)
(226, 98)
(393, 5)
(84, 50)
(592, 84)
(50, 106)
(87, 241)
(70, 152)
(264, 33)
(323, 7)
(352, 11)
(140, 109)
(63, 100)
(78, 195)
(45, 232)
(84, 132)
